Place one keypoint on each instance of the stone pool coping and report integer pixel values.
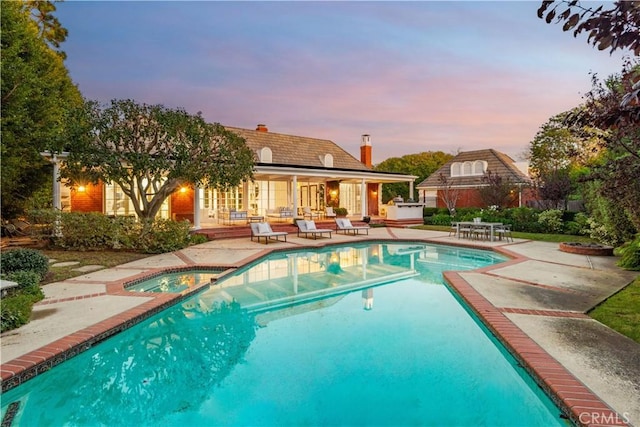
(571, 395)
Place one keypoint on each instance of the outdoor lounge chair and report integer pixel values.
(329, 213)
(263, 229)
(309, 227)
(308, 213)
(344, 224)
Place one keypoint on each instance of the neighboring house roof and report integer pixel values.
(497, 162)
(293, 150)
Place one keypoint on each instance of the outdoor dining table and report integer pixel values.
(490, 225)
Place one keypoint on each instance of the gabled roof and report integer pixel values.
(497, 162)
(298, 150)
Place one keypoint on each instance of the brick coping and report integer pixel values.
(578, 402)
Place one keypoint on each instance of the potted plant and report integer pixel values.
(340, 212)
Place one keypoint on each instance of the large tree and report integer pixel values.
(560, 152)
(36, 94)
(615, 27)
(422, 165)
(612, 105)
(150, 151)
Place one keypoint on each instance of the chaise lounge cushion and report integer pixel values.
(263, 228)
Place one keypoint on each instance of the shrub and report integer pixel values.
(525, 220)
(163, 235)
(84, 231)
(196, 239)
(24, 259)
(429, 211)
(441, 219)
(23, 278)
(630, 255)
(578, 226)
(551, 220)
(15, 311)
(340, 211)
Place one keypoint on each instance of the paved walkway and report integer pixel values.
(535, 303)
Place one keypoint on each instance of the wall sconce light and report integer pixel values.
(81, 189)
(334, 193)
(375, 193)
(183, 189)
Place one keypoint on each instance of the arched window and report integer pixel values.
(456, 169)
(479, 167)
(466, 168)
(266, 156)
(328, 161)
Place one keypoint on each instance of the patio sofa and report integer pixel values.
(230, 215)
(280, 213)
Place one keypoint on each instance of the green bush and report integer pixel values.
(340, 211)
(630, 255)
(15, 311)
(441, 219)
(43, 222)
(23, 278)
(196, 239)
(578, 226)
(609, 223)
(551, 220)
(94, 231)
(24, 259)
(86, 231)
(429, 211)
(163, 235)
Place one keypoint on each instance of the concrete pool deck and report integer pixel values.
(535, 303)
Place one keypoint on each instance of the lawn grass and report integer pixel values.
(621, 311)
(104, 258)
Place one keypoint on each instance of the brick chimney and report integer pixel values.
(365, 150)
(262, 128)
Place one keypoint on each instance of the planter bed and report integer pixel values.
(586, 249)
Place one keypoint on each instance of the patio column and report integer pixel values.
(363, 198)
(411, 190)
(56, 158)
(294, 184)
(57, 202)
(196, 207)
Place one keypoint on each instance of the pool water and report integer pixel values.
(174, 282)
(358, 335)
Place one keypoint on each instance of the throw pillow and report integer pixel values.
(263, 227)
(310, 225)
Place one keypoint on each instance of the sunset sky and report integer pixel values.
(416, 76)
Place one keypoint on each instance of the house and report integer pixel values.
(464, 175)
(291, 172)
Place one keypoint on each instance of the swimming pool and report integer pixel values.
(357, 335)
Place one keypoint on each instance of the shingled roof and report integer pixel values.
(298, 150)
(497, 162)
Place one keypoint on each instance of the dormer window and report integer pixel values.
(266, 156)
(327, 160)
(478, 167)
